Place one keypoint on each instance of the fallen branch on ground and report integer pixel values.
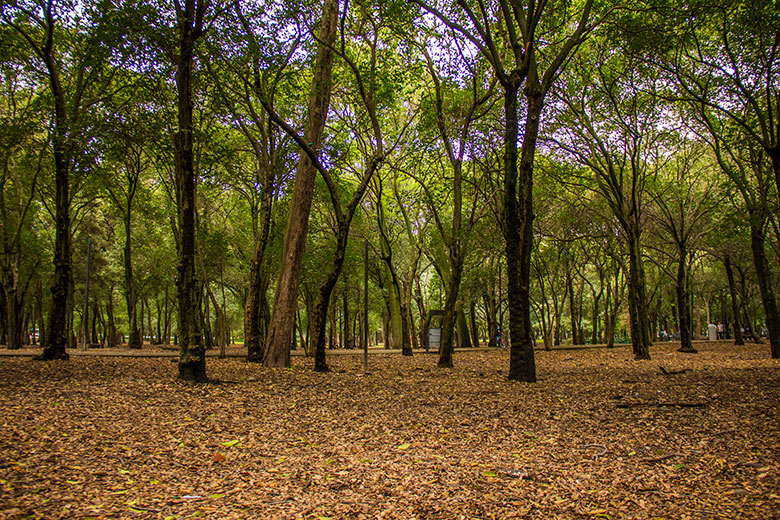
(661, 405)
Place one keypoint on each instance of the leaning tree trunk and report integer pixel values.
(765, 285)
(473, 327)
(280, 331)
(320, 314)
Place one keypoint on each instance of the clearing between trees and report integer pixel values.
(599, 436)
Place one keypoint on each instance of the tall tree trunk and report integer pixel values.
(518, 221)
(57, 340)
(764, 276)
(473, 324)
(682, 302)
(575, 336)
(449, 318)
(131, 297)
(253, 331)
(320, 314)
(192, 356)
(282, 320)
(738, 340)
(637, 301)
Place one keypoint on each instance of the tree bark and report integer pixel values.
(134, 341)
(764, 276)
(738, 340)
(280, 333)
(637, 301)
(62, 147)
(682, 302)
(192, 356)
(518, 221)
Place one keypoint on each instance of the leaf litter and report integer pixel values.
(599, 436)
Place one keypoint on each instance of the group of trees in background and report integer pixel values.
(540, 170)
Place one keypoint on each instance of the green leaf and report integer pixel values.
(404, 446)
(134, 510)
(489, 474)
(228, 444)
(216, 495)
(678, 466)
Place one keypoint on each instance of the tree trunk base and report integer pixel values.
(59, 356)
(687, 350)
(193, 372)
(642, 357)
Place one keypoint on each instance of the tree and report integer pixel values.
(192, 356)
(683, 200)
(22, 156)
(611, 130)
(527, 47)
(70, 53)
(280, 330)
(455, 112)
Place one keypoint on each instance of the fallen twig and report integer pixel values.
(597, 455)
(661, 458)
(682, 404)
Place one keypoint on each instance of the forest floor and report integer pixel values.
(600, 436)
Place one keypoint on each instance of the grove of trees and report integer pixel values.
(541, 170)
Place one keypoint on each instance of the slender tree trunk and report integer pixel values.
(637, 301)
(320, 313)
(764, 276)
(131, 297)
(572, 310)
(347, 339)
(738, 340)
(57, 340)
(282, 320)
(473, 324)
(253, 332)
(682, 302)
(449, 318)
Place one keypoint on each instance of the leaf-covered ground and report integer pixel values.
(599, 436)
